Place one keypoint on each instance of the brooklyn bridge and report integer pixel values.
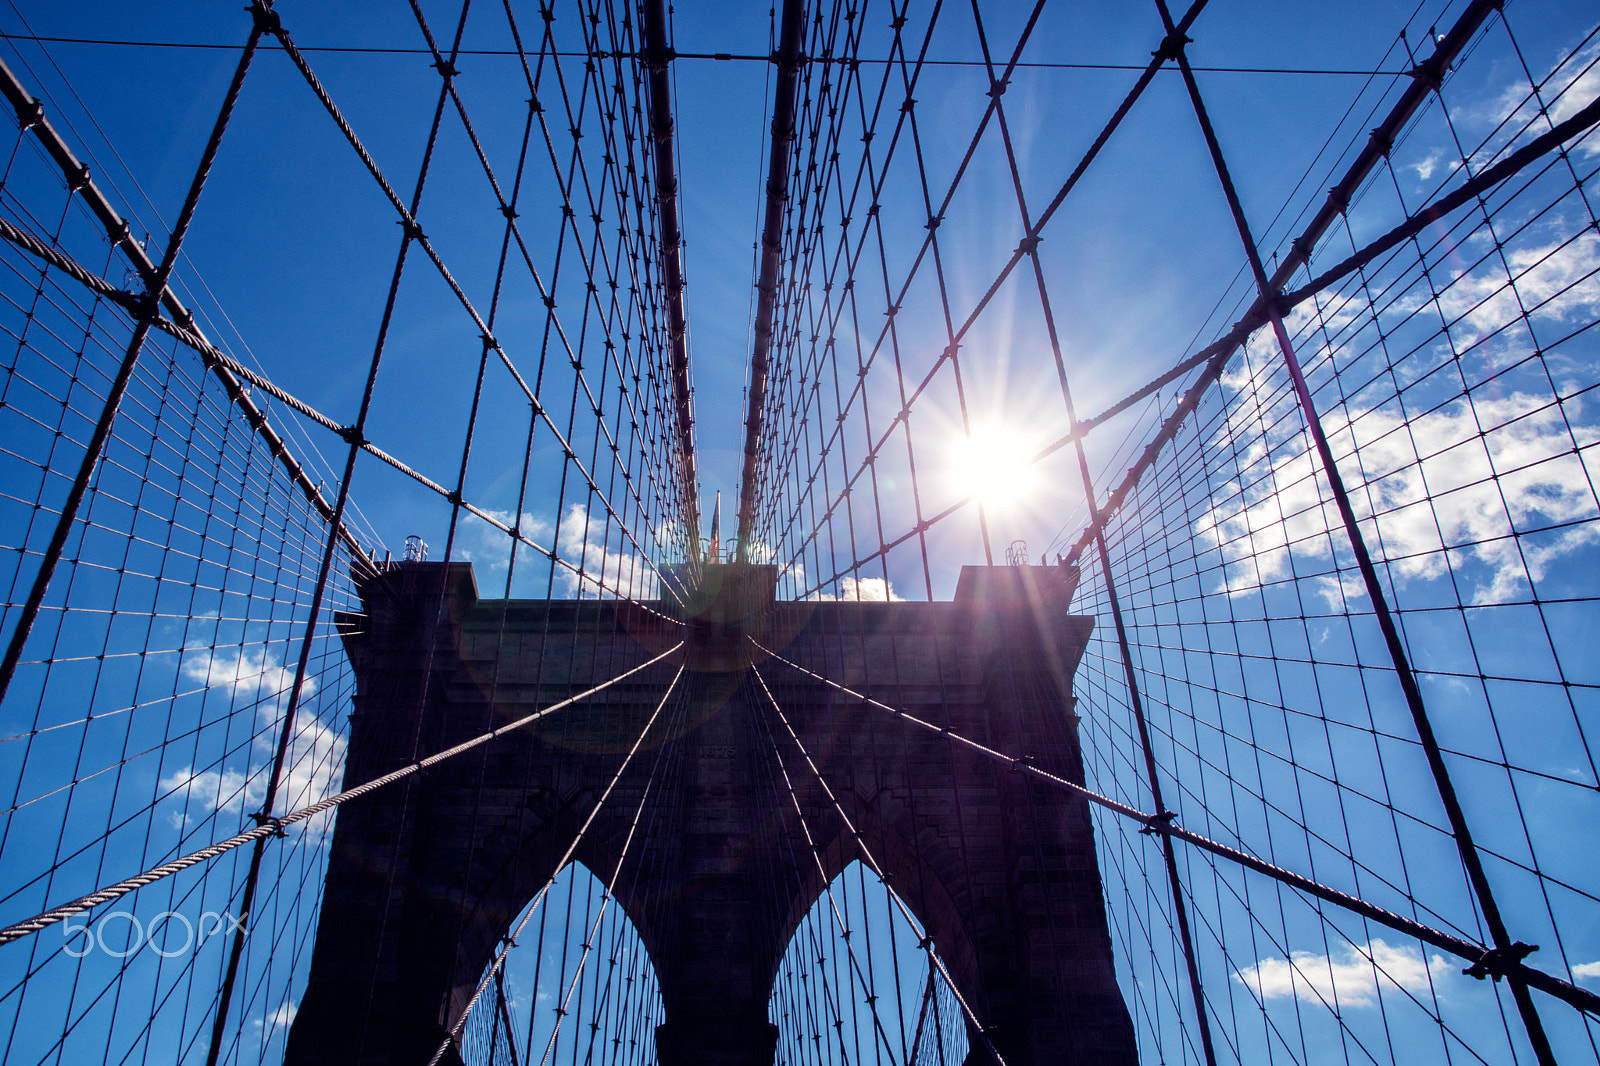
(1106, 580)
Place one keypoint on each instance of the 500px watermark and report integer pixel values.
(168, 934)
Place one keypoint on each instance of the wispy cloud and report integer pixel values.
(488, 547)
(1570, 86)
(313, 762)
(250, 673)
(601, 562)
(1353, 980)
(1586, 971)
(1449, 487)
(281, 1018)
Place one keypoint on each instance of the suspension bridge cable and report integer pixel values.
(500, 956)
(273, 827)
(1165, 825)
(928, 946)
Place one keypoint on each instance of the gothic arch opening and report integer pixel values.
(575, 983)
(857, 983)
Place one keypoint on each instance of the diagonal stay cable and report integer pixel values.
(149, 308)
(857, 973)
(1581, 998)
(927, 941)
(30, 113)
(505, 948)
(448, 71)
(224, 365)
(275, 826)
(1215, 355)
(610, 894)
(1024, 247)
(414, 230)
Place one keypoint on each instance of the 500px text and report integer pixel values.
(161, 936)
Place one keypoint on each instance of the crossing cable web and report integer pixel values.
(1323, 460)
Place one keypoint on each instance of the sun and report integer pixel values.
(991, 464)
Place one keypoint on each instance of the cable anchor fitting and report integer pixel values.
(30, 114)
(1497, 962)
(1154, 824)
(266, 19)
(1172, 46)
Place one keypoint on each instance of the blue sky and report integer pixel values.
(1473, 444)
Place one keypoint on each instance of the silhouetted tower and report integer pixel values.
(1000, 870)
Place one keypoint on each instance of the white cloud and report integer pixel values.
(1567, 89)
(1441, 510)
(1432, 161)
(1556, 282)
(1586, 971)
(862, 589)
(313, 763)
(595, 567)
(488, 547)
(251, 673)
(874, 589)
(1352, 981)
(281, 1018)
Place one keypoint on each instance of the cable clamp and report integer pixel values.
(266, 19)
(1172, 46)
(266, 819)
(412, 228)
(1027, 245)
(1429, 72)
(1022, 762)
(353, 435)
(31, 114)
(1497, 962)
(445, 68)
(1158, 822)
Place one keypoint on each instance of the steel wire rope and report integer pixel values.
(856, 973)
(1578, 997)
(1496, 476)
(509, 211)
(413, 231)
(500, 956)
(1016, 256)
(272, 826)
(935, 961)
(1488, 906)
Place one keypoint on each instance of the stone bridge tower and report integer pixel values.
(424, 881)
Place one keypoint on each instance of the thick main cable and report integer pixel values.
(1478, 954)
(572, 848)
(275, 826)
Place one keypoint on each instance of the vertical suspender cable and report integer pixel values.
(150, 310)
(1504, 949)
